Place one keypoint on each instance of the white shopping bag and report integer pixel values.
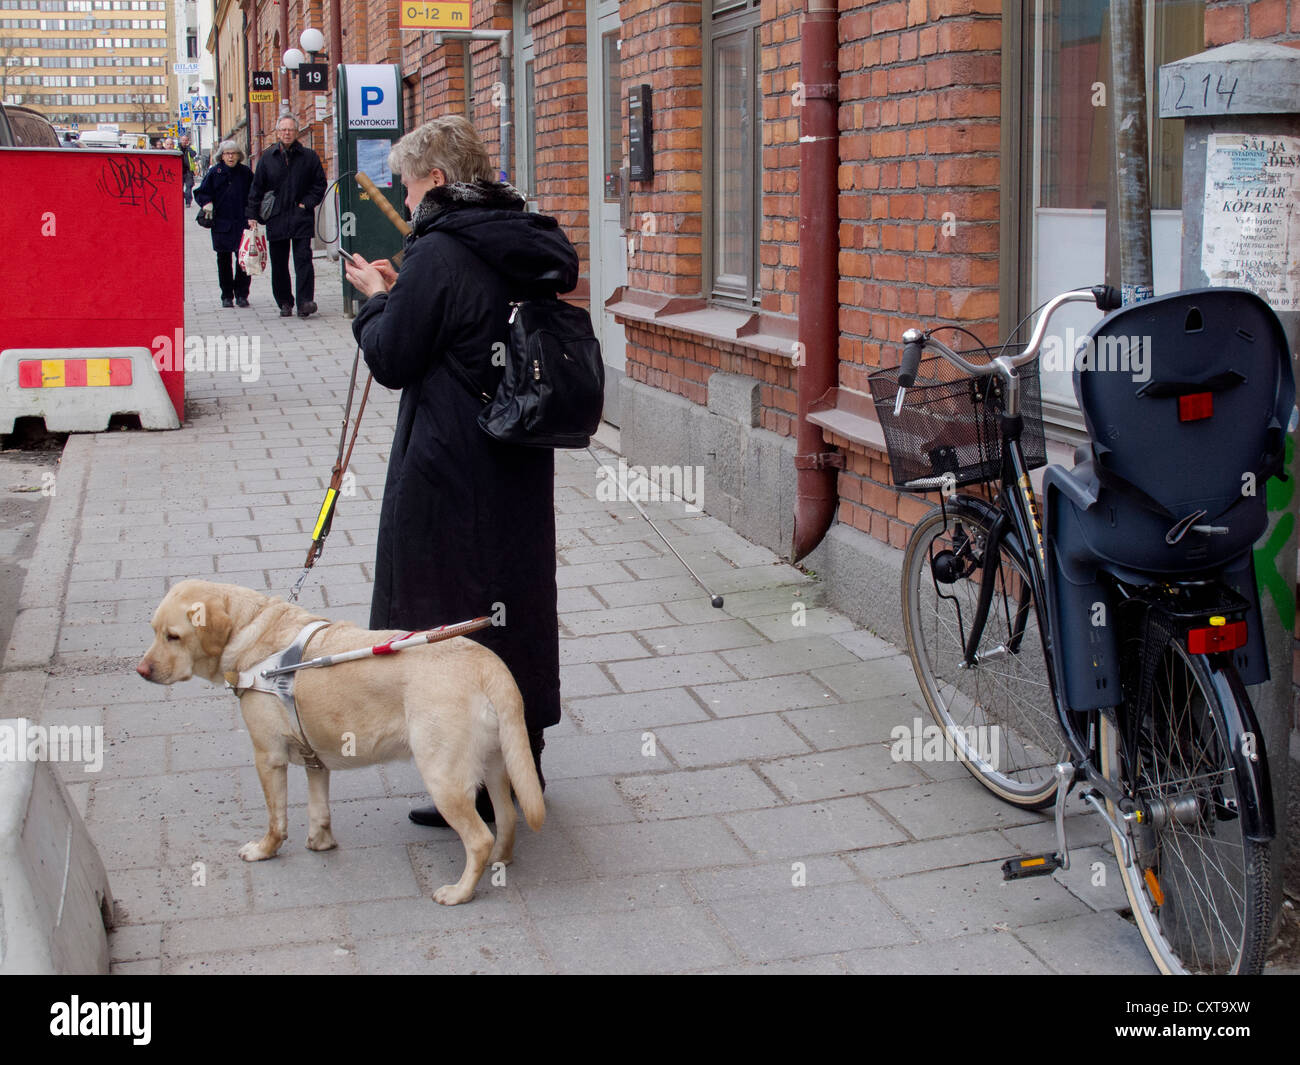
(253, 254)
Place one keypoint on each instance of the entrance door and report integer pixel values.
(608, 185)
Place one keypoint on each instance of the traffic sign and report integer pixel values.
(431, 15)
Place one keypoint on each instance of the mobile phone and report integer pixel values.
(347, 255)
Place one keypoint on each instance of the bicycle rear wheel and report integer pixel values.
(1198, 888)
(997, 715)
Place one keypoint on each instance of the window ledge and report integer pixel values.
(752, 329)
(851, 415)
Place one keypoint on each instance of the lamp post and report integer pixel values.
(312, 42)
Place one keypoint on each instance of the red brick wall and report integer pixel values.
(662, 48)
(920, 122)
(1241, 20)
(681, 364)
(355, 43)
(560, 73)
(778, 250)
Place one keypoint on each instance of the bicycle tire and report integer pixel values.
(1198, 888)
(997, 717)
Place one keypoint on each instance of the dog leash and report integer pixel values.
(326, 515)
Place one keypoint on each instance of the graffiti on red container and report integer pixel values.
(133, 182)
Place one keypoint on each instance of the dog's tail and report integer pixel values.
(515, 748)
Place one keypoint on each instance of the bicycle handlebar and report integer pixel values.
(1106, 297)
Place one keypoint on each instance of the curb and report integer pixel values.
(55, 901)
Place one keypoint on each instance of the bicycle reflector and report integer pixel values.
(1219, 635)
(1196, 407)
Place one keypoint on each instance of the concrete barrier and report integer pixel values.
(55, 901)
(78, 390)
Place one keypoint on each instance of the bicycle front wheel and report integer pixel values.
(1199, 889)
(997, 713)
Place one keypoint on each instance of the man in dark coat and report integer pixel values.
(467, 526)
(294, 173)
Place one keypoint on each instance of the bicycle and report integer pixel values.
(1107, 642)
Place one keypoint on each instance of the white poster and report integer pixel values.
(372, 96)
(1251, 237)
(372, 160)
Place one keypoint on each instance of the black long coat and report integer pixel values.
(226, 188)
(296, 177)
(467, 525)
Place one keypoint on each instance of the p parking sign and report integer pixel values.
(372, 96)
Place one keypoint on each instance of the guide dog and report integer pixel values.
(452, 705)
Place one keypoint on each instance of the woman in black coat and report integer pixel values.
(467, 526)
(226, 188)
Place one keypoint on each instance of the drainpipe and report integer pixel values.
(285, 107)
(815, 464)
(506, 84)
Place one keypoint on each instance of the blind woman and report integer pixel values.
(467, 525)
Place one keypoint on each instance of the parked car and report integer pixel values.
(31, 129)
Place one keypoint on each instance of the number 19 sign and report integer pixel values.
(435, 14)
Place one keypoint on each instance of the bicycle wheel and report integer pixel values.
(997, 715)
(1198, 888)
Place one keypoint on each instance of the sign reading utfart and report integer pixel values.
(442, 15)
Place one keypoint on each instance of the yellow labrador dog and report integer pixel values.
(453, 705)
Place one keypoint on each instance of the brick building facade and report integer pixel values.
(936, 216)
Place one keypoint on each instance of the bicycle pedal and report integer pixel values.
(1034, 865)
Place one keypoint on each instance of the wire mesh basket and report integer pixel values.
(948, 430)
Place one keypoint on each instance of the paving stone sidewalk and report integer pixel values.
(721, 796)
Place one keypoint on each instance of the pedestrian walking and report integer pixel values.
(467, 525)
(288, 186)
(189, 167)
(226, 187)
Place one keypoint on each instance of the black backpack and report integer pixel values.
(553, 389)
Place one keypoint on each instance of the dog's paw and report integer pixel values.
(254, 851)
(451, 895)
(322, 840)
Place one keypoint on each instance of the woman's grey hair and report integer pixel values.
(449, 144)
(230, 146)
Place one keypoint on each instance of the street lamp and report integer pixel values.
(312, 40)
(293, 59)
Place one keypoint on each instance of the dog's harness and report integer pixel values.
(275, 676)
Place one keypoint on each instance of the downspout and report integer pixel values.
(252, 115)
(285, 107)
(815, 464)
(336, 37)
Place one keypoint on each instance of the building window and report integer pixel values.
(733, 164)
(1066, 148)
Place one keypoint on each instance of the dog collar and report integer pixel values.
(264, 677)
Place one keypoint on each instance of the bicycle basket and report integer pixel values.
(949, 423)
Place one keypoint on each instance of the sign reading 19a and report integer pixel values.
(439, 15)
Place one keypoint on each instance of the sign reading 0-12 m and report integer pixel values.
(434, 14)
